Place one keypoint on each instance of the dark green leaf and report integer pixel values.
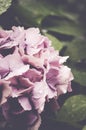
(76, 50)
(64, 26)
(79, 76)
(34, 11)
(4, 5)
(73, 110)
(77, 53)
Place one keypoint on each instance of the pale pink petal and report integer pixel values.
(24, 101)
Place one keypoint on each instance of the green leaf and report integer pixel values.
(64, 26)
(55, 42)
(77, 53)
(4, 5)
(34, 11)
(76, 50)
(84, 128)
(79, 76)
(73, 110)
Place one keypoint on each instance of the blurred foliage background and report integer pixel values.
(64, 22)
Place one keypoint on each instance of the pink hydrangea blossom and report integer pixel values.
(31, 73)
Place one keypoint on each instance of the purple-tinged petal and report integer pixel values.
(5, 91)
(3, 34)
(32, 60)
(17, 72)
(25, 103)
(33, 36)
(33, 75)
(21, 91)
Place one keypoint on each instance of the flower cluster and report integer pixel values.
(31, 73)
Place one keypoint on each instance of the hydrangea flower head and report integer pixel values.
(31, 74)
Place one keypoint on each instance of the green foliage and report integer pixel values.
(63, 25)
(35, 9)
(73, 110)
(84, 128)
(4, 5)
(38, 10)
(76, 49)
(80, 76)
